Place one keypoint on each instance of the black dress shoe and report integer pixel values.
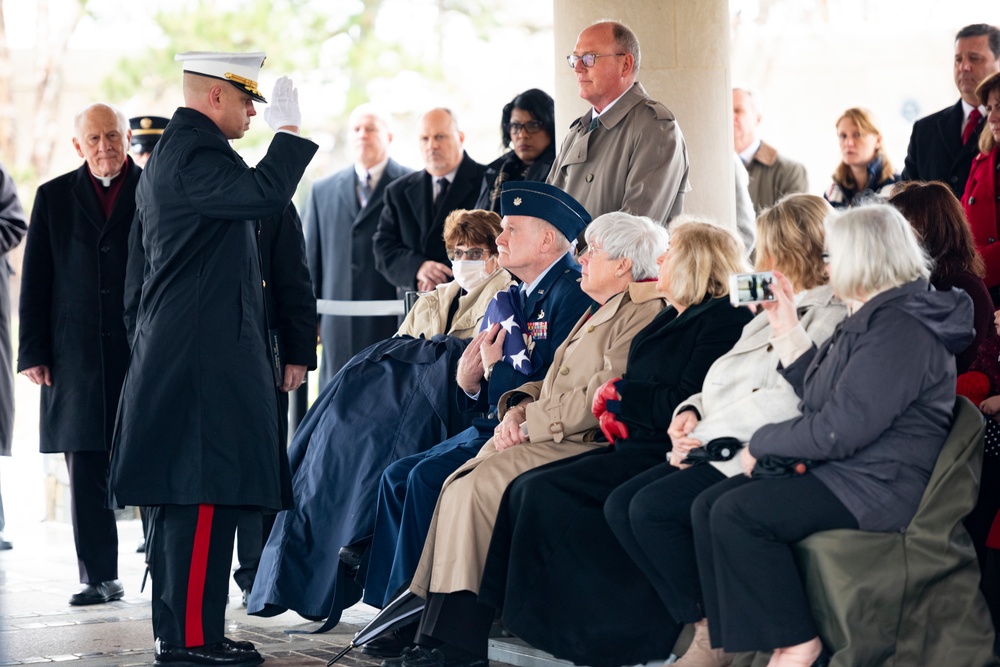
(238, 643)
(106, 591)
(387, 646)
(222, 653)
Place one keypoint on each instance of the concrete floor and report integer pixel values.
(38, 626)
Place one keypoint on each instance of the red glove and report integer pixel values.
(612, 428)
(606, 392)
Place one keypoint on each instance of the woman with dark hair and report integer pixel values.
(937, 218)
(865, 169)
(528, 129)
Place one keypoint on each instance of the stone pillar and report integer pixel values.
(685, 48)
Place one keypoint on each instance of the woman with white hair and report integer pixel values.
(877, 402)
(541, 422)
(554, 565)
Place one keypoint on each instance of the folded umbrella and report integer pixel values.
(404, 609)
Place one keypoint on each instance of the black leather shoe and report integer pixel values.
(223, 653)
(387, 646)
(351, 557)
(238, 643)
(106, 591)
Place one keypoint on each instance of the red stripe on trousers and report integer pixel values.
(194, 632)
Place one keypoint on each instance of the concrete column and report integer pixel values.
(685, 64)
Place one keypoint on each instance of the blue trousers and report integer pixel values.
(408, 492)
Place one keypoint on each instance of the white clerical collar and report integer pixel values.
(747, 153)
(967, 109)
(106, 180)
(375, 172)
(598, 114)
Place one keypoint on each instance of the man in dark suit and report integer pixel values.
(72, 334)
(943, 144)
(409, 243)
(340, 221)
(12, 230)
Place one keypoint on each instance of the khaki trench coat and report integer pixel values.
(560, 425)
(429, 314)
(634, 161)
(772, 176)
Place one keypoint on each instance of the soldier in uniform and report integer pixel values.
(540, 224)
(197, 437)
(146, 131)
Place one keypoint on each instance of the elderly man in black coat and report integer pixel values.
(12, 230)
(340, 221)
(72, 337)
(197, 437)
(409, 243)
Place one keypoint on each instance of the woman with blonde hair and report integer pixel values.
(651, 514)
(551, 533)
(980, 198)
(865, 170)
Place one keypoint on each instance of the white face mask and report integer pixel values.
(469, 274)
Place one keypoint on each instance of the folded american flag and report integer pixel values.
(505, 308)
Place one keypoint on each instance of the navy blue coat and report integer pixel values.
(409, 232)
(72, 295)
(936, 152)
(342, 265)
(198, 420)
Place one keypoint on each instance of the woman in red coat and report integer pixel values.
(980, 202)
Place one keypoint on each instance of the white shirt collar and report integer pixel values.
(376, 171)
(747, 154)
(967, 109)
(598, 114)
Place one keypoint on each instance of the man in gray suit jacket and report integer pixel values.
(340, 221)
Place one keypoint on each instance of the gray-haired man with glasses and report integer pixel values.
(627, 153)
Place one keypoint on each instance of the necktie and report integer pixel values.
(442, 192)
(365, 189)
(593, 124)
(970, 126)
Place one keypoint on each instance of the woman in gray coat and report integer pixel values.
(877, 401)
(651, 513)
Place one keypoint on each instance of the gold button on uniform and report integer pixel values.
(564, 370)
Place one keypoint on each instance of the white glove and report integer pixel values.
(284, 107)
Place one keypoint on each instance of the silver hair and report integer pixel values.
(369, 109)
(635, 237)
(123, 124)
(873, 248)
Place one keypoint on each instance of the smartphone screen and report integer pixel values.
(746, 288)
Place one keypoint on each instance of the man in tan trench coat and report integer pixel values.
(627, 153)
(542, 421)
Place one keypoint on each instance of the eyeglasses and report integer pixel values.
(589, 59)
(826, 257)
(530, 127)
(472, 254)
(591, 249)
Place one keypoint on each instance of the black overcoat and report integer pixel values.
(72, 285)
(12, 229)
(936, 152)
(554, 565)
(198, 421)
(410, 232)
(341, 263)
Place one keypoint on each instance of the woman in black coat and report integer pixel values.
(554, 566)
(528, 128)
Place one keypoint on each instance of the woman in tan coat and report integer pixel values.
(542, 422)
